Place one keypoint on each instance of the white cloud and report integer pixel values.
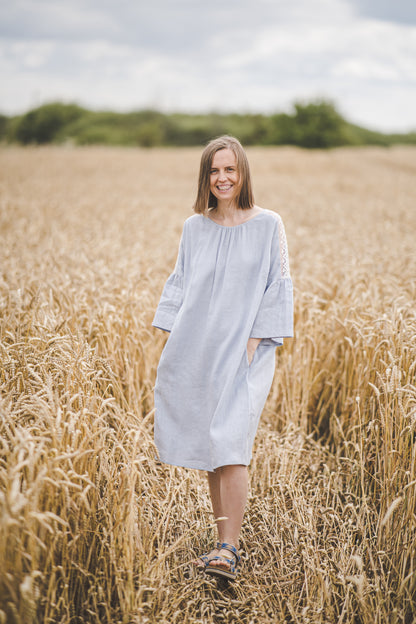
(22, 54)
(242, 55)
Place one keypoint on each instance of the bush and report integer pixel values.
(4, 121)
(42, 124)
(314, 124)
(318, 125)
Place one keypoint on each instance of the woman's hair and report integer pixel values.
(205, 200)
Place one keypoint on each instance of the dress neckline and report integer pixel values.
(232, 227)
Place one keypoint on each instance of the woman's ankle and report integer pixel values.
(231, 541)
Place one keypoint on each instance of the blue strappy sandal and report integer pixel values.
(205, 559)
(229, 573)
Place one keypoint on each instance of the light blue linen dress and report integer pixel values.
(230, 283)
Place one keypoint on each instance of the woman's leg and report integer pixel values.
(214, 490)
(228, 489)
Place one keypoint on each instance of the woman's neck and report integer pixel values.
(226, 211)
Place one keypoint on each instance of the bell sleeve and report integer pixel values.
(172, 294)
(274, 320)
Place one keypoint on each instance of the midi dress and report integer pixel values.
(229, 283)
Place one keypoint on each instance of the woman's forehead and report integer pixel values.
(224, 157)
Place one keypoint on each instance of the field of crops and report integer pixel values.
(92, 529)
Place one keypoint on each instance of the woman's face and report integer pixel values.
(224, 178)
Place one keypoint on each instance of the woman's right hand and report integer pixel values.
(252, 345)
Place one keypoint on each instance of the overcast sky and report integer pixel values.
(224, 55)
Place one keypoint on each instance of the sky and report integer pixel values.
(213, 55)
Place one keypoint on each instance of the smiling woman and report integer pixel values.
(227, 305)
(224, 164)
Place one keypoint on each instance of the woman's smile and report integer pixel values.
(224, 188)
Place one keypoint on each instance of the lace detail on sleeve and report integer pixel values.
(284, 255)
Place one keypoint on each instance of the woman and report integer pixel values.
(227, 305)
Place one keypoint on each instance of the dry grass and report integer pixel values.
(92, 529)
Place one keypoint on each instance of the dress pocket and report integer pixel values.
(249, 364)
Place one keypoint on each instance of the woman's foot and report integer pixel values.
(225, 564)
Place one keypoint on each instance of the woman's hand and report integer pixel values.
(251, 348)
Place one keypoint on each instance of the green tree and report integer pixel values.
(4, 122)
(42, 124)
(318, 124)
(315, 124)
(282, 130)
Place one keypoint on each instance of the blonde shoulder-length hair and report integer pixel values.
(205, 200)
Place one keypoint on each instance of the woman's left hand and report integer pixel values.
(252, 345)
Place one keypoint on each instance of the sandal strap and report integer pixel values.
(232, 549)
(204, 556)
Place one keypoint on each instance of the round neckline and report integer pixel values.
(232, 227)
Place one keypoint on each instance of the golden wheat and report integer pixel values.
(92, 528)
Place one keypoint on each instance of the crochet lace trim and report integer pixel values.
(284, 255)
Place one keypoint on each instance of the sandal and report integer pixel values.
(232, 564)
(205, 558)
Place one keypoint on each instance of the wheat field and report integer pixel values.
(92, 528)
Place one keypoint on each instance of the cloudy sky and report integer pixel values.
(224, 55)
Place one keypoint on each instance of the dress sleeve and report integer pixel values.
(172, 294)
(274, 320)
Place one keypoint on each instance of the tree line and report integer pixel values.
(315, 124)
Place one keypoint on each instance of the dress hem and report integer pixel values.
(205, 468)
